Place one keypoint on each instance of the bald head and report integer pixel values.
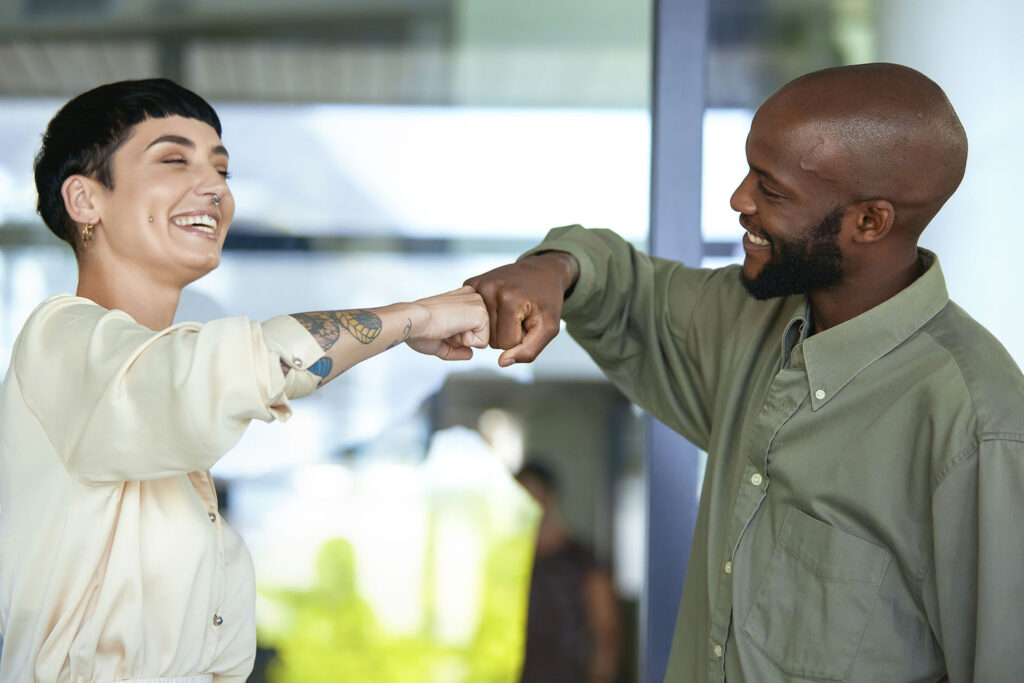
(877, 131)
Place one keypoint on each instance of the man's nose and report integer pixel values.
(742, 199)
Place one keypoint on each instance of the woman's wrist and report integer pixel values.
(405, 321)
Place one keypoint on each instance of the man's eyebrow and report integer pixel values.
(185, 142)
(767, 176)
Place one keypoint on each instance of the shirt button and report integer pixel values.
(819, 394)
(297, 362)
(217, 621)
(728, 567)
(756, 479)
(213, 517)
(717, 649)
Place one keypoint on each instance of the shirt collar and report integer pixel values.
(835, 356)
(796, 332)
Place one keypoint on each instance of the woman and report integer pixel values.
(114, 564)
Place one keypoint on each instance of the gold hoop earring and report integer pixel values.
(87, 232)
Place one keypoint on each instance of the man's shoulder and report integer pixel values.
(990, 375)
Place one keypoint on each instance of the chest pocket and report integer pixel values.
(813, 605)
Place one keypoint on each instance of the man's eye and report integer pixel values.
(225, 174)
(768, 193)
(174, 161)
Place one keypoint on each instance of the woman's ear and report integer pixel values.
(81, 199)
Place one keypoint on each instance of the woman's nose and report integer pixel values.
(212, 183)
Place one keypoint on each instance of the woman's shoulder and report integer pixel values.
(61, 302)
(54, 321)
(66, 306)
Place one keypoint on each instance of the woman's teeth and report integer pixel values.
(759, 241)
(207, 224)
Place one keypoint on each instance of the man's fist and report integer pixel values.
(524, 302)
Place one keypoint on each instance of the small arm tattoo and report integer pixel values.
(322, 368)
(405, 334)
(363, 325)
(326, 326)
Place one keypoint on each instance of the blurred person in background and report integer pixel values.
(572, 630)
(114, 561)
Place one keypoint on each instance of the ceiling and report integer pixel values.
(257, 50)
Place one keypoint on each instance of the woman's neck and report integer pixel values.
(149, 303)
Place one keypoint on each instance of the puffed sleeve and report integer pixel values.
(974, 593)
(121, 402)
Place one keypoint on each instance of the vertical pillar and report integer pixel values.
(680, 46)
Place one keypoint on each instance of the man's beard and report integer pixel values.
(802, 265)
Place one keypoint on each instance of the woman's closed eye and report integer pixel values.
(184, 162)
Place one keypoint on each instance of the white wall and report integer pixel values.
(975, 51)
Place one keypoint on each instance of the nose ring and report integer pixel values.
(217, 200)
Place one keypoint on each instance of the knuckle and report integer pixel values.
(508, 296)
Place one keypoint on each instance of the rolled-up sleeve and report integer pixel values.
(121, 402)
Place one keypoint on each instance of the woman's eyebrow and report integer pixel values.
(185, 142)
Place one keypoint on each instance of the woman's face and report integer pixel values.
(161, 215)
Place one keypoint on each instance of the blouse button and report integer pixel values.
(217, 620)
(213, 517)
(297, 362)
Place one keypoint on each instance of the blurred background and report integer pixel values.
(385, 150)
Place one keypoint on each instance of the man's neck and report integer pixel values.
(863, 290)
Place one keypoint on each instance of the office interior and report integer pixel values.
(385, 150)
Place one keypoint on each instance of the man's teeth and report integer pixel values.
(207, 224)
(754, 239)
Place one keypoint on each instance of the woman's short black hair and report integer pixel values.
(85, 133)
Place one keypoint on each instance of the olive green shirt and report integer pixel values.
(863, 502)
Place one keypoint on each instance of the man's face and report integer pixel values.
(791, 206)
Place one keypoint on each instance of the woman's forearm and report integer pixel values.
(446, 325)
(351, 336)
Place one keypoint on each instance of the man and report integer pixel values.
(865, 479)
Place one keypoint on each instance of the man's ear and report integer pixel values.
(81, 199)
(875, 218)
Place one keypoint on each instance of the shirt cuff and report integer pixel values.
(297, 349)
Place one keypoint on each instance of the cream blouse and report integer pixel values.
(114, 564)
